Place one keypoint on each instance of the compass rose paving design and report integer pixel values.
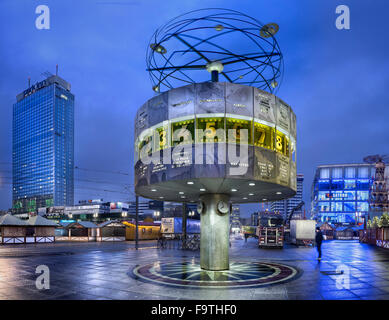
(189, 274)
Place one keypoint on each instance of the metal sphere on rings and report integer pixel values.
(269, 30)
(181, 50)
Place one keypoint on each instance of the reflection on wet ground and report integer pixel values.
(348, 270)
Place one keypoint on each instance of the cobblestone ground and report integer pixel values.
(101, 271)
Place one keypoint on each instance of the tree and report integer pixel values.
(375, 223)
(384, 220)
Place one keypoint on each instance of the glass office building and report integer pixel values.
(43, 146)
(340, 193)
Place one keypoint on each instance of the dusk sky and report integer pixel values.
(336, 81)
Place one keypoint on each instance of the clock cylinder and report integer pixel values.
(214, 239)
(215, 141)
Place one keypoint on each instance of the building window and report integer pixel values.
(324, 206)
(363, 184)
(324, 185)
(349, 195)
(349, 206)
(363, 206)
(337, 206)
(337, 173)
(337, 185)
(363, 195)
(349, 173)
(324, 173)
(323, 195)
(363, 172)
(349, 184)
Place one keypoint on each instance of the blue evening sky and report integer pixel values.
(336, 81)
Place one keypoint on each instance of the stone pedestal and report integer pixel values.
(215, 242)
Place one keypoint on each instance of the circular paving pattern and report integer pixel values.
(189, 274)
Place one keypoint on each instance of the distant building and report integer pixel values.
(254, 219)
(235, 215)
(245, 221)
(43, 146)
(340, 193)
(284, 207)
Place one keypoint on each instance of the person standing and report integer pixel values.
(318, 240)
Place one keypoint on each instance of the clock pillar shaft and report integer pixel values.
(215, 238)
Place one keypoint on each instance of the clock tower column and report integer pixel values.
(215, 238)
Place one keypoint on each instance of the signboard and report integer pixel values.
(264, 106)
(264, 165)
(239, 100)
(167, 225)
(158, 109)
(282, 167)
(210, 98)
(283, 115)
(181, 102)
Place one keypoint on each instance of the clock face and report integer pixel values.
(222, 207)
(200, 207)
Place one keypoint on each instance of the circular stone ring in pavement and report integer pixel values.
(240, 275)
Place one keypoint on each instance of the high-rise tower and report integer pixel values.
(43, 146)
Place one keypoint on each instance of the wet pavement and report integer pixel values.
(348, 270)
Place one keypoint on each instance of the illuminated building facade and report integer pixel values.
(43, 146)
(340, 193)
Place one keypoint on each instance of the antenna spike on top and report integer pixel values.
(29, 82)
(56, 70)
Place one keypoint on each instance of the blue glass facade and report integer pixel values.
(340, 193)
(43, 146)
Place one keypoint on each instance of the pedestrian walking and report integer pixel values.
(318, 240)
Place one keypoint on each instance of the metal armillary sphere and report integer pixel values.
(226, 43)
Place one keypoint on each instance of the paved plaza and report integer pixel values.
(106, 271)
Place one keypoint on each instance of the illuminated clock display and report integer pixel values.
(209, 127)
(163, 141)
(237, 125)
(182, 132)
(282, 143)
(263, 136)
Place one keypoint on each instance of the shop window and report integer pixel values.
(324, 206)
(363, 195)
(349, 206)
(323, 195)
(363, 206)
(336, 206)
(349, 195)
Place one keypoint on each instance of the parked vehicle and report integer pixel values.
(302, 232)
(270, 230)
